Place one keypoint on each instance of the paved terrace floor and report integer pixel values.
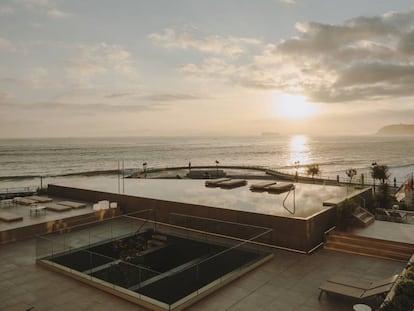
(387, 230)
(288, 282)
(42, 216)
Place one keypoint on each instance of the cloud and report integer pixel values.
(34, 78)
(160, 97)
(49, 7)
(37, 3)
(365, 58)
(6, 10)
(119, 95)
(228, 45)
(100, 61)
(5, 97)
(288, 1)
(6, 45)
(170, 97)
(95, 108)
(56, 13)
(212, 67)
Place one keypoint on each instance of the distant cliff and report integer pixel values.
(397, 130)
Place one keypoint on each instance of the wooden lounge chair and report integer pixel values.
(358, 289)
(9, 217)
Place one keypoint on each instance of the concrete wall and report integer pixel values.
(296, 233)
(29, 231)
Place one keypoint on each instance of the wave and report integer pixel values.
(84, 173)
(394, 166)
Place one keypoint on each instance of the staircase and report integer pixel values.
(347, 243)
(363, 217)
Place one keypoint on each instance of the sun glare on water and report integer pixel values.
(289, 106)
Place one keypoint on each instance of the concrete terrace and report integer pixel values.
(288, 282)
(41, 216)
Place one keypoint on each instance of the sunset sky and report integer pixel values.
(190, 67)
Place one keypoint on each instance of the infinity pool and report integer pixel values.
(305, 200)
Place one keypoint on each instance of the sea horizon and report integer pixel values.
(32, 158)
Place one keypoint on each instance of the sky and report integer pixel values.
(74, 68)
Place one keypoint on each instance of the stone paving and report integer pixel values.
(289, 282)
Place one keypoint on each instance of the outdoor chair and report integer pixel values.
(397, 216)
(357, 289)
(381, 214)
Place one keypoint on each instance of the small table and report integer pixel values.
(36, 209)
(361, 307)
(6, 203)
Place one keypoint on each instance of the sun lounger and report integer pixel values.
(72, 204)
(9, 217)
(382, 214)
(24, 201)
(397, 216)
(357, 289)
(260, 187)
(233, 183)
(57, 208)
(40, 199)
(215, 182)
(280, 188)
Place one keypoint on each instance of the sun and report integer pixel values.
(288, 106)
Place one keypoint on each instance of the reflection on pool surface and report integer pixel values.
(308, 198)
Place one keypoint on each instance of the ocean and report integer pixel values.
(22, 161)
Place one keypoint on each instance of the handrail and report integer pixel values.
(226, 236)
(14, 190)
(144, 223)
(294, 200)
(329, 230)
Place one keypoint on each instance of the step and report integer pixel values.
(369, 247)
(371, 241)
(404, 259)
(378, 247)
(386, 253)
(373, 244)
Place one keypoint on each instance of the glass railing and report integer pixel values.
(87, 235)
(100, 254)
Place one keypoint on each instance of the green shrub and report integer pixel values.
(402, 303)
(409, 274)
(344, 213)
(406, 288)
(403, 299)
